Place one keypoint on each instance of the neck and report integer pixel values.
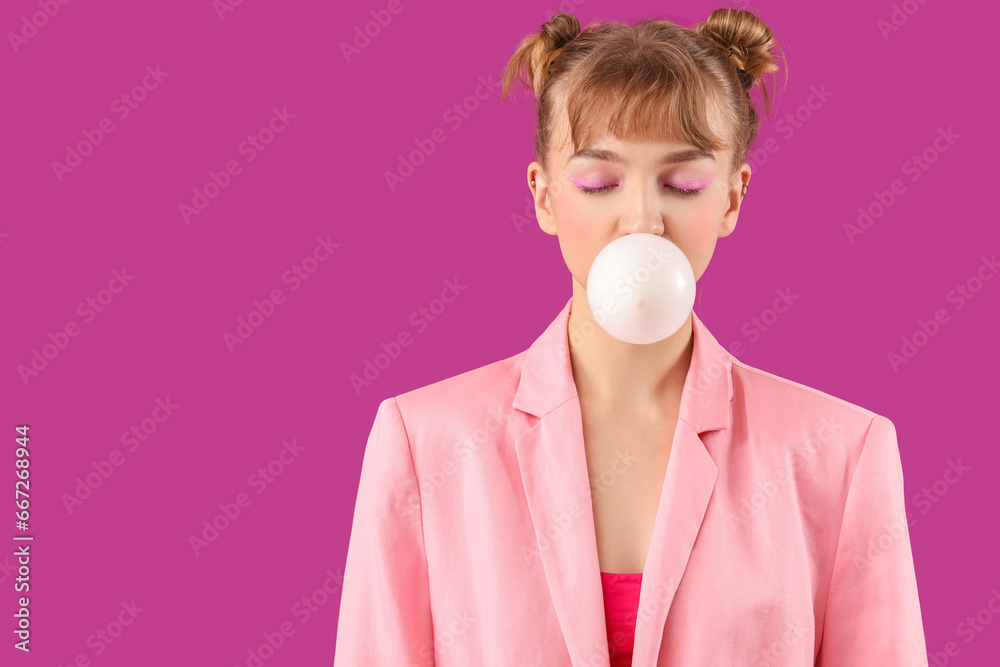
(622, 375)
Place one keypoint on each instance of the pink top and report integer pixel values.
(621, 606)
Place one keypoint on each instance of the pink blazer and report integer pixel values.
(780, 539)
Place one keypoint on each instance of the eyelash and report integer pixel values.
(608, 187)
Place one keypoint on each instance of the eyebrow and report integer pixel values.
(685, 155)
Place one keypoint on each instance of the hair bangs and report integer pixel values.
(649, 104)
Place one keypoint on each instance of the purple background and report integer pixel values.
(464, 215)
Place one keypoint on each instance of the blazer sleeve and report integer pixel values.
(873, 611)
(385, 615)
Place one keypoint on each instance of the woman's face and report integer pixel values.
(614, 187)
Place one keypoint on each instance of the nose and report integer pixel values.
(641, 212)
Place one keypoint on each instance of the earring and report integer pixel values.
(532, 182)
(744, 191)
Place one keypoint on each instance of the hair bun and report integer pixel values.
(536, 53)
(557, 32)
(744, 39)
(561, 28)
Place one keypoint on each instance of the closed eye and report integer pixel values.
(604, 188)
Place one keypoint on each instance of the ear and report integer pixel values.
(539, 191)
(736, 198)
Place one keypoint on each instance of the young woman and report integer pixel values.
(594, 502)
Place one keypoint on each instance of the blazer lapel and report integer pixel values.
(688, 485)
(553, 467)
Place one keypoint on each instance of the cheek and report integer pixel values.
(706, 232)
(581, 236)
(700, 241)
(571, 220)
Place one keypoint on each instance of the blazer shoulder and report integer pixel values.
(824, 435)
(762, 395)
(462, 402)
(752, 379)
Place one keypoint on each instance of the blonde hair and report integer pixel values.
(655, 79)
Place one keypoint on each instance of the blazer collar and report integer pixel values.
(547, 375)
(553, 467)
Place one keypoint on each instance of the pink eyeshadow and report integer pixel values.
(697, 186)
